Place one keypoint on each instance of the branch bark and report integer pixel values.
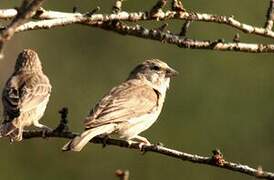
(52, 19)
(194, 158)
(270, 16)
(216, 160)
(25, 12)
(44, 19)
(144, 16)
(153, 34)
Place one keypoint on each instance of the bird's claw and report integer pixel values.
(141, 146)
(45, 131)
(104, 140)
(160, 144)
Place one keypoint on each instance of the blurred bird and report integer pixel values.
(25, 96)
(129, 108)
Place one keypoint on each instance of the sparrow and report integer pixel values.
(25, 96)
(129, 108)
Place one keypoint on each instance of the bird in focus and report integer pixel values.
(25, 96)
(129, 108)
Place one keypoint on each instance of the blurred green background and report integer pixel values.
(220, 99)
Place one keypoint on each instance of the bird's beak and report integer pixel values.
(171, 72)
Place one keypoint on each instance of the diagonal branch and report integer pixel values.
(270, 15)
(25, 12)
(144, 16)
(157, 35)
(52, 19)
(212, 161)
(216, 160)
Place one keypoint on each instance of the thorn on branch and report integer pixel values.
(214, 43)
(63, 125)
(117, 7)
(74, 9)
(157, 8)
(177, 6)
(162, 27)
(160, 144)
(24, 6)
(259, 171)
(185, 28)
(39, 12)
(104, 139)
(123, 175)
(236, 38)
(270, 15)
(218, 157)
(90, 13)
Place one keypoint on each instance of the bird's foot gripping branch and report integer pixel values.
(216, 159)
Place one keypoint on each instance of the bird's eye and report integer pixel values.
(156, 68)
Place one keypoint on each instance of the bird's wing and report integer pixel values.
(24, 92)
(128, 100)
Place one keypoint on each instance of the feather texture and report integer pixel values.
(24, 97)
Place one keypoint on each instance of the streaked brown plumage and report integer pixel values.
(25, 96)
(129, 108)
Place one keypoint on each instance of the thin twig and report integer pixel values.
(270, 15)
(177, 6)
(26, 11)
(157, 9)
(123, 175)
(117, 7)
(185, 28)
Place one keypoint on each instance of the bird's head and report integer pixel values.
(156, 72)
(28, 60)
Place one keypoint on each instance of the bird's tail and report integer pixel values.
(77, 143)
(12, 130)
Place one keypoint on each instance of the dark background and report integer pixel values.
(220, 99)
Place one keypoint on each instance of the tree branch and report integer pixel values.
(157, 35)
(144, 16)
(270, 15)
(25, 12)
(216, 160)
(52, 19)
(213, 161)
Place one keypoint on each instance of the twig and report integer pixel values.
(157, 9)
(177, 5)
(236, 38)
(63, 126)
(123, 175)
(117, 7)
(270, 15)
(185, 28)
(93, 11)
(162, 27)
(25, 12)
